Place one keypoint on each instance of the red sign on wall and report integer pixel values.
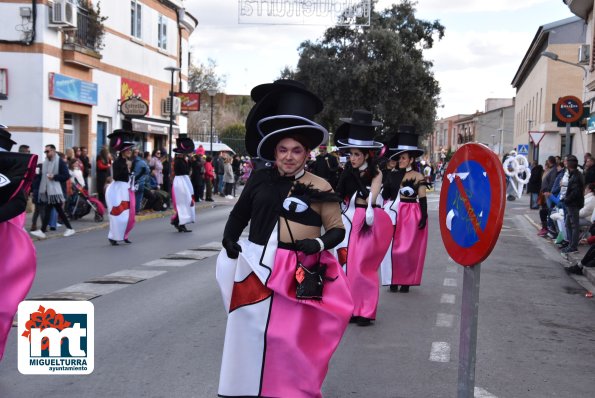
(129, 88)
(190, 101)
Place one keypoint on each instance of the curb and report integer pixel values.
(589, 273)
(139, 218)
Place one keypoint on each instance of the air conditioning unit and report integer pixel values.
(64, 14)
(584, 53)
(166, 106)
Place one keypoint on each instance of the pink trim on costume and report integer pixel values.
(131, 214)
(366, 249)
(409, 246)
(302, 335)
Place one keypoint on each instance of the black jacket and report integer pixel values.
(574, 193)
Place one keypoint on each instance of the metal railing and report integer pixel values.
(88, 33)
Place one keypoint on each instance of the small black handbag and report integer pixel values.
(310, 281)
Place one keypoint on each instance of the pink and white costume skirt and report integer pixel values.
(17, 271)
(365, 250)
(409, 246)
(276, 345)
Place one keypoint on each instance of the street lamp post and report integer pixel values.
(171, 69)
(555, 57)
(212, 92)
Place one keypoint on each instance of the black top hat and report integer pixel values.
(17, 171)
(406, 140)
(184, 144)
(284, 107)
(358, 131)
(5, 141)
(121, 140)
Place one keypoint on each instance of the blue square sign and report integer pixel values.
(523, 149)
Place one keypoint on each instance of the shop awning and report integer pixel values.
(149, 125)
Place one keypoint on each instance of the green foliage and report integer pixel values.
(380, 68)
(233, 136)
(203, 77)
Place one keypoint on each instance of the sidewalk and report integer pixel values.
(533, 217)
(87, 223)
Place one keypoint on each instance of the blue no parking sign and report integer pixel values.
(472, 204)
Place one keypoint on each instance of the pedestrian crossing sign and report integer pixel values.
(523, 149)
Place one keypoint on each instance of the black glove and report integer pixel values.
(308, 246)
(423, 204)
(232, 248)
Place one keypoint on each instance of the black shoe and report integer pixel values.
(394, 288)
(209, 200)
(574, 269)
(354, 319)
(127, 241)
(564, 244)
(364, 321)
(404, 289)
(182, 228)
(52, 228)
(113, 242)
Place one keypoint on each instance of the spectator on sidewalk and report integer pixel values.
(197, 176)
(573, 201)
(534, 185)
(104, 168)
(586, 212)
(84, 158)
(53, 171)
(589, 171)
(157, 167)
(141, 172)
(219, 166)
(588, 259)
(209, 178)
(228, 177)
(547, 182)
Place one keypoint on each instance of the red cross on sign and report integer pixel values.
(569, 109)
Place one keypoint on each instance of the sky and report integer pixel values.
(484, 44)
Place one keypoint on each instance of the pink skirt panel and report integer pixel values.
(17, 271)
(131, 215)
(409, 246)
(302, 335)
(367, 247)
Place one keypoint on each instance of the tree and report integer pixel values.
(233, 136)
(203, 77)
(378, 67)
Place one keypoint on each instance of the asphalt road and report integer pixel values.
(163, 337)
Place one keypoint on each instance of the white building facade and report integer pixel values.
(62, 83)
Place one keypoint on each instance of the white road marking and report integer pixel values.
(481, 393)
(440, 352)
(450, 282)
(447, 298)
(444, 320)
(211, 246)
(190, 255)
(168, 263)
(100, 289)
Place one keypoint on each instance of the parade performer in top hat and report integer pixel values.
(410, 238)
(288, 300)
(391, 177)
(182, 190)
(366, 240)
(119, 195)
(18, 260)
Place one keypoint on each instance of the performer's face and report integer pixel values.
(392, 164)
(356, 157)
(290, 156)
(404, 160)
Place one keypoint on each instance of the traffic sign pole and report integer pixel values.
(567, 139)
(468, 336)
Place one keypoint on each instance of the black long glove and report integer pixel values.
(330, 239)
(232, 248)
(423, 205)
(308, 246)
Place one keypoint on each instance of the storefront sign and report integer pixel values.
(190, 101)
(134, 106)
(131, 88)
(68, 88)
(152, 127)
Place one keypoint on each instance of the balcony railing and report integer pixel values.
(88, 34)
